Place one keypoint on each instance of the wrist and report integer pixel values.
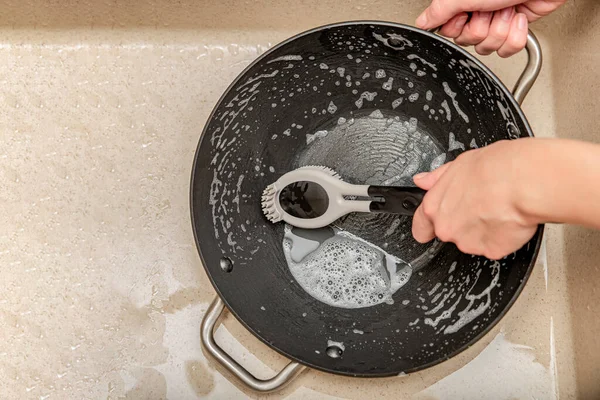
(558, 181)
(533, 160)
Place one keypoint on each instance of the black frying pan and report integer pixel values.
(394, 101)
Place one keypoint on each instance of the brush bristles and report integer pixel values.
(269, 197)
(268, 204)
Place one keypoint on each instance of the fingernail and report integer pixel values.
(420, 176)
(522, 22)
(506, 14)
(422, 20)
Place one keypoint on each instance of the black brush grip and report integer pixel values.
(396, 200)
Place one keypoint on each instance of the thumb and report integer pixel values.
(423, 229)
(427, 180)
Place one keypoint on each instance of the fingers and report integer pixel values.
(476, 30)
(504, 31)
(454, 27)
(422, 227)
(507, 34)
(537, 9)
(441, 11)
(517, 37)
(531, 16)
(426, 180)
(498, 32)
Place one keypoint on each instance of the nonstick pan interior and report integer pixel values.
(378, 103)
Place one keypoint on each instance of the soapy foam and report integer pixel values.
(286, 58)
(369, 96)
(472, 311)
(388, 84)
(312, 137)
(454, 144)
(437, 162)
(331, 108)
(446, 108)
(452, 95)
(422, 60)
(344, 271)
(339, 345)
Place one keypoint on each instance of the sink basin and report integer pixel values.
(103, 292)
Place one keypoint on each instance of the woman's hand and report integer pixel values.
(495, 25)
(490, 201)
(475, 201)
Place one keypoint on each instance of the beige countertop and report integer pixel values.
(102, 105)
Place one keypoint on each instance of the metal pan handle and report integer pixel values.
(532, 68)
(285, 376)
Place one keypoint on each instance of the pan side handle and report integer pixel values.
(532, 68)
(209, 322)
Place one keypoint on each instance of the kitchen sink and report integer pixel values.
(102, 105)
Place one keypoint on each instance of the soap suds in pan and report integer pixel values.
(342, 270)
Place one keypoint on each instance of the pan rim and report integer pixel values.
(484, 68)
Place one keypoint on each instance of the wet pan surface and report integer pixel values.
(378, 103)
